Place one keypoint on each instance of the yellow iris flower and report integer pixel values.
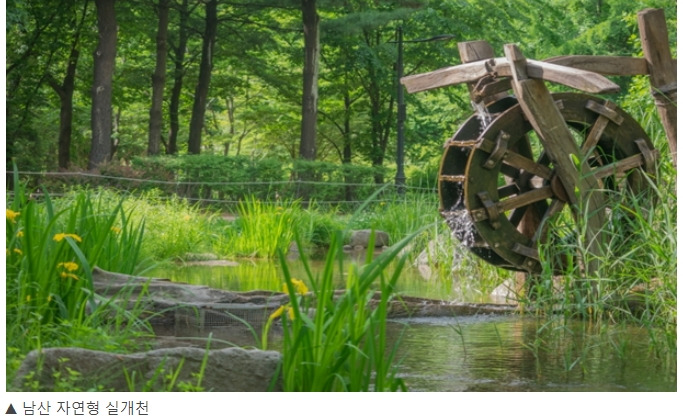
(68, 266)
(299, 286)
(60, 236)
(11, 215)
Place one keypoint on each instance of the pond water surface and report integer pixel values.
(482, 352)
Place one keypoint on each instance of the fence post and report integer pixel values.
(661, 68)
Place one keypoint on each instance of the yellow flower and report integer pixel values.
(299, 287)
(278, 312)
(69, 266)
(116, 229)
(11, 215)
(18, 251)
(187, 218)
(20, 234)
(66, 275)
(28, 298)
(60, 236)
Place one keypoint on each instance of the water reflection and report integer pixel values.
(493, 353)
(267, 275)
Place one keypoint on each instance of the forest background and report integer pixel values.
(132, 88)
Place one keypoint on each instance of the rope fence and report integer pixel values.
(224, 193)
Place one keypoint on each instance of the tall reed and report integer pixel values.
(635, 279)
(263, 229)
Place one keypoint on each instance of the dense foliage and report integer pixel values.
(250, 91)
(207, 103)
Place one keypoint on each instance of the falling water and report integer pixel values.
(483, 114)
(462, 228)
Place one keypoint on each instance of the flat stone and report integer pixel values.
(180, 303)
(226, 370)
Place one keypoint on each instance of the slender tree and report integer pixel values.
(65, 92)
(104, 58)
(158, 80)
(178, 52)
(205, 67)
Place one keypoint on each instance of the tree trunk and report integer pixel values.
(65, 92)
(158, 81)
(309, 107)
(178, 73)
(104, 58)
(202, 90)
(346, 151)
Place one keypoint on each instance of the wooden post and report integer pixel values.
(581, 187)
(662, 69)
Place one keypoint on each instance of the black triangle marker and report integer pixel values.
(10, 410)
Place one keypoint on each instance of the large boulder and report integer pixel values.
(226, 370)
(361, 238)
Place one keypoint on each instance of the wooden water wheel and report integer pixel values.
(501, 176)
(532, 156)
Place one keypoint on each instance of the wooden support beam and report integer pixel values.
(546, 119)
(471, 72)
(662, 69)
(615, 66)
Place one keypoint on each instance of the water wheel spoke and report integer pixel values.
(594, 134)
(619, 167)
(518, 161)
(492, 209)
(526, 198)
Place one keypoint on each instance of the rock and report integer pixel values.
(429, 258)
(510, 290)
(227, 370)
(179, 303)
(362, 238)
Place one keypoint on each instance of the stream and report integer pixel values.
(475, 353)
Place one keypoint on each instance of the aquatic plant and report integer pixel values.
(51, 249)
(262, 229)
(336, 341)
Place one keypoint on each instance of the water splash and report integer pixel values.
(483, 114)
(462, 228)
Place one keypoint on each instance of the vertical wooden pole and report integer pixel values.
(570, 166)
(481, 50)
(662, 70)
